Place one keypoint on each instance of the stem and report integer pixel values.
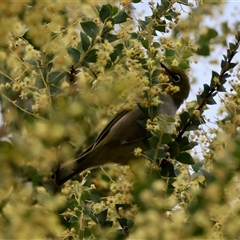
(22, 109)
(213, 89)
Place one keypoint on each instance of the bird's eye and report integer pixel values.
(176, 78)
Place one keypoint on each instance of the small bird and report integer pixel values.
(117, 141)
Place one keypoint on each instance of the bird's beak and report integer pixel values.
(166, 68)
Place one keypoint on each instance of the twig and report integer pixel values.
(230, 54)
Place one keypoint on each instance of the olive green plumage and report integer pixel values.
(123, 133)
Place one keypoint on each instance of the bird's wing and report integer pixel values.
(106, 130)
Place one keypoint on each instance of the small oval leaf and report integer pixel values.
(121, 17)
(74, 53)
(167, 169)
(56, 77)
(166, 138)
(85, 41)
(185, 158)
(90, 28)
(104, 13)
(92, 56)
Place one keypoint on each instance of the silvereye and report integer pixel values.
(117, 141)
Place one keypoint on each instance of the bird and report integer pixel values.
(124, 133)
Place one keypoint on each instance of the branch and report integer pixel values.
(215, 86)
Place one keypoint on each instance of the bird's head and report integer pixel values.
(178, 77)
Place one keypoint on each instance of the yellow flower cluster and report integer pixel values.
(153, 125)
(170, 89)
(121, 194)
(125, 30)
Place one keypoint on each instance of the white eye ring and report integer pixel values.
(176, 78)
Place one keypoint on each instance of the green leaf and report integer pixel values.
(28, 36)
(173, 149)
(156, 45)
(143, 61)
(224, 64)
(208, 176)
(197, 166)
(212, 33)
(221, 88)
(90, 28)
(161, 154)
(155, 76)
(232, 46)
(107, 29)
(85, 41)
(108, 224)
(214, 75)
(150, 154)
(54, 90)
(184, 2)
(171, 15)
(170, 120)
(108, 65)
(195, 123)
(6, 147)
(33, 62)
(185, 158)
(32, 174)
(232, 65)
(122, 222)
(143, 24)
(210, 101)
(102, 217)
(87, 210)
(153, 111)
(85, 233)
(229, 53)
(226, 75)
(183, 120)
(187, 54)
(39, 83)
(143, 109)
(49, 185)
(74, 53)
(121, 17)
(145, 43)
(49, 57)
(163, 6)
(110, 37)
(114, 10)
(105, 12)
(47, 69)
(193, 144)
(203, 50)
(153, 141)
(122, 206)
(170, 52)
(117, 52)
(205, 92)
(161, 28)
(183, 143)
(225, 28)
(136, 1)
(166, 138)
(184, 64)
(167, 169)
(91, 56)
(56, 77)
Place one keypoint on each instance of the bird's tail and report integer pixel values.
(69, 169)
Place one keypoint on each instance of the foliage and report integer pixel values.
(65, 70)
